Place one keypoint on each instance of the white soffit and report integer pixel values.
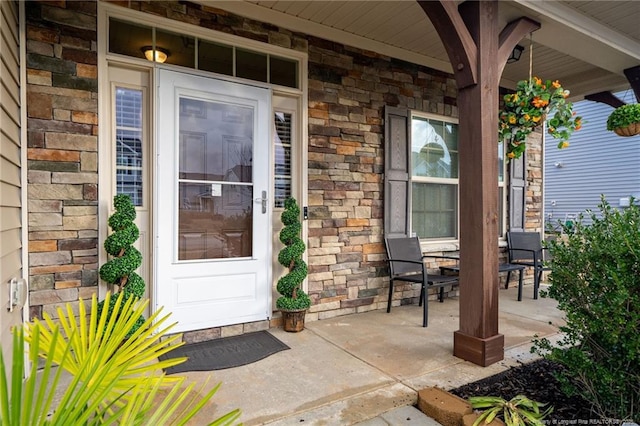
(569, 31)
(294, 23)
(587, 53)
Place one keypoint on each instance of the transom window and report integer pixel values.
(155, 44)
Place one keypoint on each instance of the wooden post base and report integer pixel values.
(479, 351)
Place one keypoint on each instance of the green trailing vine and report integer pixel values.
(125, 258)
(290, 285)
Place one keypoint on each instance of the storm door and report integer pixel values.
(213, 228)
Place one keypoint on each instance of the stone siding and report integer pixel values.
(62, 105)
(348, 89)
(533, 221)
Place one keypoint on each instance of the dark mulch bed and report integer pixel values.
(536, 381)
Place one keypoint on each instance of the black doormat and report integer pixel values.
(226, 352)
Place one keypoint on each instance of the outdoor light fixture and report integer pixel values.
(159, 55)
(515, 54)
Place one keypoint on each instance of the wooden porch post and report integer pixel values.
(478, 55)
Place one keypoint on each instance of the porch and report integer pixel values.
(352, 368)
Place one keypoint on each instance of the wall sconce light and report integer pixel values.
(515, 54)
(159, 55)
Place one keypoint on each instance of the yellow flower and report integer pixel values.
(565, 144)
(556, 84)
(526, 117)
(537, 81)
(512, 119)
(536, 118)
(511, 155)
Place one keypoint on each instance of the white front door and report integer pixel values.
(213, 227)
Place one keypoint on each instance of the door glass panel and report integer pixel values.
(129, 144)
(215, 200)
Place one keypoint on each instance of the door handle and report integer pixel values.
(262, 200)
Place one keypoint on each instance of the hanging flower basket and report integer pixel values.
(625, 120)
(534, 102)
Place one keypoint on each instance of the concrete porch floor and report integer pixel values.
(351, 369)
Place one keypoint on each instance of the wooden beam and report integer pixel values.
(470, 36)
(605, 98)
(478, 339)
(511, 35)
(633, 75)
(459, 44)
(469, 33)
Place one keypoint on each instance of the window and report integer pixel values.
(502, 194)
(128, 132)
(282, 147)
(434, 178)
(421, 177)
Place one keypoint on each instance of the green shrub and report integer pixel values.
(624, 116)
(113, 380)
(595, 278)
(125, 258)
(290, 285)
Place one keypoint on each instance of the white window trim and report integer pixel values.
(448, 244)
(504, 184)
(440, 244)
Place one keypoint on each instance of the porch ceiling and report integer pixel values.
(584, 44)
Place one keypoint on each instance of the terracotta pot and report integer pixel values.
(293, 321)
(630, 130)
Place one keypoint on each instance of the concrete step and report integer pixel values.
(357, 409)
(408, 415)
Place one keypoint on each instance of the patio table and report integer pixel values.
(503, 267)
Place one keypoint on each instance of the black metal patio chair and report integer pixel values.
(406, 263)
(525, 248)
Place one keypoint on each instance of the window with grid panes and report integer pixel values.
(282, 157)
(434, 178)
(128, 133)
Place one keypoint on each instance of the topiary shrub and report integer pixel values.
(290, 285)
(120, 269)
(595, 278)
